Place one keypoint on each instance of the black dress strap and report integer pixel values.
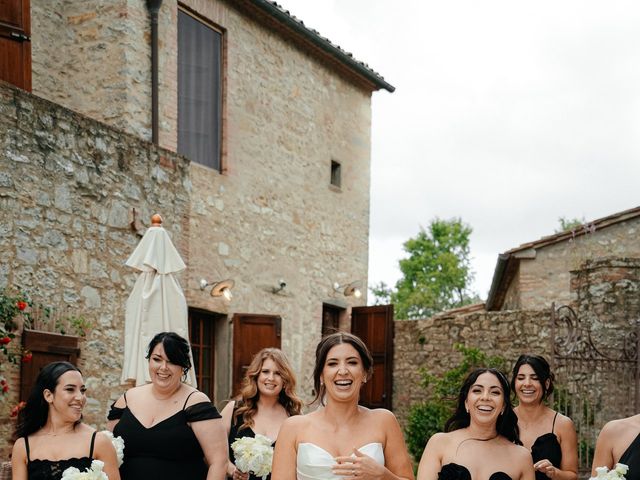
(188, 396)
(93, 441)
(553, 426)
(26, 445)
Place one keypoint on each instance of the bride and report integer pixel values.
(341, 440)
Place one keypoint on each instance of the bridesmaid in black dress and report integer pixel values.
(619, 442)
(549, 435)
(267, 398)
(481, 440)
(170, 430)
(50, 434)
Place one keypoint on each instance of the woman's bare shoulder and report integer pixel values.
(621, 425)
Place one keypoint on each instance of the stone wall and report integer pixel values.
(67, 187)
(430, 343)
(546, 278)
(594, 344)
(272, 214)
(92, 56)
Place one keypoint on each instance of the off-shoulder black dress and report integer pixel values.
(166, 451)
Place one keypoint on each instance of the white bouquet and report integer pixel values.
(616, 473)
(254, 455)
(118, 444)
(93, 473)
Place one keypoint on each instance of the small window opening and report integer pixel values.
(335, 173)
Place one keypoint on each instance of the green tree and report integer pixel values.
(436, 274)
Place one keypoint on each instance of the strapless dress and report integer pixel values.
(453, 471)
(314, 462)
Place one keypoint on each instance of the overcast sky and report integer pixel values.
(507, 114)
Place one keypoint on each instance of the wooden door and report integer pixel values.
(251, 333)
(374, 325)
(45, 347)
(15, 43)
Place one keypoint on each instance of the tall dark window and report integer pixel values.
(199, 91)
(202, 338)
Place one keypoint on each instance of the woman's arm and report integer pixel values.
(105, 452)
(19, 461)
(227, 419)
(396, 455)
(431, 461)
(120, 403)
(212, 439)
(569, 446)
(285, 454)
(603, 456)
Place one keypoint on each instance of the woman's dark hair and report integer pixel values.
(322, 350)
(507, 424)
(175, 347)
(36, 411)
(542, 370)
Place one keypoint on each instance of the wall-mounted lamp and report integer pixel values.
(281, 286)
(219, 289)
(349, 289)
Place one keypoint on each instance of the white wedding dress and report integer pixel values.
(314, 463)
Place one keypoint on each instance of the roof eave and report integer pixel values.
(325, 45)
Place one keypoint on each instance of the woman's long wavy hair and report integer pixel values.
(507, 424)
(249, 393)
(36, 411)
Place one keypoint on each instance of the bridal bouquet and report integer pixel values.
(254, 455)
(616, 473)
(118, 444)
(93, 473)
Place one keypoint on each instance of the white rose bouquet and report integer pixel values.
(616, 473)
(254, 455)
(93, 473)
(118, 444)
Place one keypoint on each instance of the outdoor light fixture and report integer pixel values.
(281, 286)
(349, 289)
(219, 289)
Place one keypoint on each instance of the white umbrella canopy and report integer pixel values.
(156, 303)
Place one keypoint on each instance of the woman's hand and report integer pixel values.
(238, 475)
(546, 467)
(358, 467)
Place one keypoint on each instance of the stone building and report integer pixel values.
(571, 297)
(533, 275)
(264, 178)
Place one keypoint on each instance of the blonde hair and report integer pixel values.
(249, 392)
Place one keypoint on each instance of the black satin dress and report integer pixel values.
(453, 471)
(547, 446)
(236, 432)
(52, 470)
(631, 458)
(168, 450)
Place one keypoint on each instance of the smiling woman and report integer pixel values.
(170, 429)
(341, 439)
(481, 439)
(550, 436)
(267, 398)
(50, 434)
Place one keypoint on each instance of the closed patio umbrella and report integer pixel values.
(156, 303)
